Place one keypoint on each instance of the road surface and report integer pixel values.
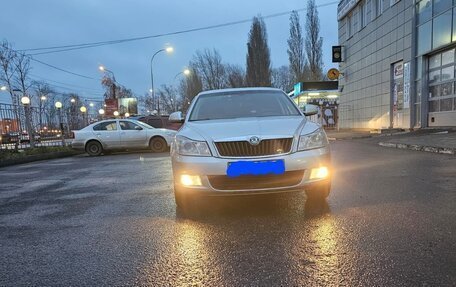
(111, 220)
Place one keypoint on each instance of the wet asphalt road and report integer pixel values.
(111, 220)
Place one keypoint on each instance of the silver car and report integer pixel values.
(114, 134)
(245, 141)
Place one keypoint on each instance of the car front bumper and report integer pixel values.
(207, 168)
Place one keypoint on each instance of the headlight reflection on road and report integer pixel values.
(327, 254)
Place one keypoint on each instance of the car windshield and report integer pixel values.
(242, 105)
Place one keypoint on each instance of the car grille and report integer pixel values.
(288, 179)
(244, 148)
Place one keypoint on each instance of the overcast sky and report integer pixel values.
(42, 23)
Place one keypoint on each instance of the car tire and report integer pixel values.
(319, 192)
(94, 148)
(158, 144)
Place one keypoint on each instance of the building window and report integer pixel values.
(348, 25)
(441, 75)
(441, 6)
(441, 30)
(424, 38)
(424, 11)
(454, 24)
(362, 16)
(379, 7)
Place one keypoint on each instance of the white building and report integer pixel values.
(398, 63)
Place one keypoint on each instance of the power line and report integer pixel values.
(66, 84)
(63, 48)
(62, 70)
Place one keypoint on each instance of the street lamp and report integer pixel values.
(91, 104)
(185, 72)
(127, 115)
(43, 98)
(101, 111)
(3, 88)
(113, 88)
(59, 106)
(73, 100)
(116, 113)
(167, 50)
(83, 111)
(26, 102)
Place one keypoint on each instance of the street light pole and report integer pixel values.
(59, 106)
(168, 50)
(113, 86)
(26, 102)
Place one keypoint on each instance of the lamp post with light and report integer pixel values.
(167, 50)
(113, 86)
(26, 103)
(59, 106)
(83, 110)
(186, 72)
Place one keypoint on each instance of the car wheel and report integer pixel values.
(158, 144)
(319, 192)
(94, 148)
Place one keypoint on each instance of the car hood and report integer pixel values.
(244, 128)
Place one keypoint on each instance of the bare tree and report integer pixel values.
(296, 57)
(170, 100)
(145, 104)
(282, 78)
(210, 68)
(8, 69)
(235, 76)
(21, 77)
(190, 87)
(313, 42)
(258, 55)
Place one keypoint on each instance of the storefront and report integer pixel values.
(323, 94)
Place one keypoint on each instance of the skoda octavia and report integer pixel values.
(248, 141)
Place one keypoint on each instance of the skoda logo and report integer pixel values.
(254, 140)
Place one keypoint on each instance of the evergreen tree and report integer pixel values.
(258, 72)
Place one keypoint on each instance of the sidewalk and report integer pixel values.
(431, 141)
(347, 134)
(428, 140)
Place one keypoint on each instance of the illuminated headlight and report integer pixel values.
(190, 180)
(319, 173)
(186, 146)
(314, 140)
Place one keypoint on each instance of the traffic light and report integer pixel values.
(336, 54)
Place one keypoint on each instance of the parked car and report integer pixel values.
(158, 122)
(248, 141)
(122, 134)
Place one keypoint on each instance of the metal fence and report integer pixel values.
(21, 124)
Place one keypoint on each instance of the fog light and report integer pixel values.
(190, 180)
(319, 173)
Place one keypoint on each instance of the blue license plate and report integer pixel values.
(239, 168)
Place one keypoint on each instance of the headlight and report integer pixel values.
(317, 139)
(186, 146)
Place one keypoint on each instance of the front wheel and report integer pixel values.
(319, 192)
(94, 148)
(158, 144)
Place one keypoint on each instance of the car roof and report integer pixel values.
(252, 89)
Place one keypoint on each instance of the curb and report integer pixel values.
(349, 138)
(38, 157)
(441, 150)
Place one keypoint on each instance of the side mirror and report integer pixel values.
(176, 117)
(138, 128)
(310, 110)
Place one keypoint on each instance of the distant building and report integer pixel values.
(398, 63)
